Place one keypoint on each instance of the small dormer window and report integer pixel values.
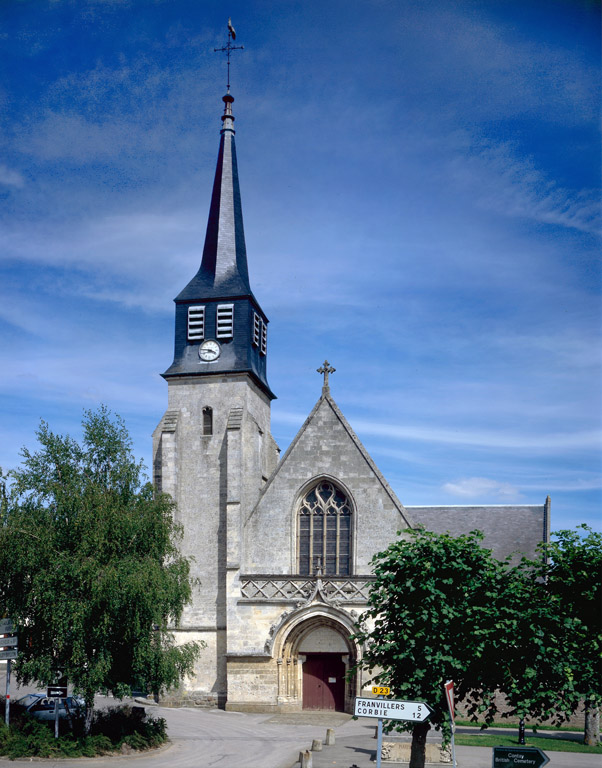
(256, 329)
(196, 323)
(225, 321)
(264, 338)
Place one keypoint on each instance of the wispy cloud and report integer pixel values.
(495, 439)
(497, 73)
(10, 177)
(115, 257)
(500, 180)
(475, 487)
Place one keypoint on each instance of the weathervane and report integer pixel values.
(325, 369)
(228, 48)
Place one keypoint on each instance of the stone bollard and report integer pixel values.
(329, 737)
(305, 759)
(316, 745)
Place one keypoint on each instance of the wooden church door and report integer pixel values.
(324, 681)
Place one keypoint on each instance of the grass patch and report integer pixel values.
(545, 743)
(118, 729)
(514, 726)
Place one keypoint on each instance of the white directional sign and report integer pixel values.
(416, 711)
(9, 642)
(9, 654)
(6, 626)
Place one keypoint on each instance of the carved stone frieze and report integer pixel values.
(299, 590)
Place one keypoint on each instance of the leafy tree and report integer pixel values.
(90, 571)
(443, 608)
(534, 651)
(573, 576)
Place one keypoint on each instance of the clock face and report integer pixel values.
(209, 351)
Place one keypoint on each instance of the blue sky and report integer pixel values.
(420, 184)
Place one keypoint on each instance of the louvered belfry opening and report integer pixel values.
(325, 531)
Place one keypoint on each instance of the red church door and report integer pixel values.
(324, 681)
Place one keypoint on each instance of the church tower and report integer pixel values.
(213, 450)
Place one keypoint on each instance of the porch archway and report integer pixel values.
(315, 651)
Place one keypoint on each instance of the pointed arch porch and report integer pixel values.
(316, 636)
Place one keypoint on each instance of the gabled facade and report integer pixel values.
(281, 548)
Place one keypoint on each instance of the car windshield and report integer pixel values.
(28, 699)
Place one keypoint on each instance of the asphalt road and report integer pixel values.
(207, 738)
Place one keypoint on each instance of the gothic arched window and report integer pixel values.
(325, 531)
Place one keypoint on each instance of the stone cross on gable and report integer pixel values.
(326, 369)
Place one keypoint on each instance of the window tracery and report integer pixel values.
(324, 531)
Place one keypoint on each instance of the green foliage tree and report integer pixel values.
(90, 570)
(573, 576)
(442, 608)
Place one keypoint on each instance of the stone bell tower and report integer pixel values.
(213, 450)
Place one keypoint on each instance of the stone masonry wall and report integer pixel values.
(324, 448)
(194, 468)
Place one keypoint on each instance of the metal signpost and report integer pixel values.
(56, 692)
(449, 695)
(8, 651)
(519, 757)
(387, 709)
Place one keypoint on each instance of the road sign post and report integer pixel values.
(386, 709)
(519, 757)
(8, 651)
(380, 691)
(379, 739)
(449, 695)
(7, 705)
(415, 711)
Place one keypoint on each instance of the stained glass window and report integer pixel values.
(325, 531)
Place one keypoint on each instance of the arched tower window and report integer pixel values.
(207, 420)
(325, 531)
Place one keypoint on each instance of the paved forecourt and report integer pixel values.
(206, 738)
(356, 745)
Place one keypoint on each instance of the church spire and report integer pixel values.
(224, 271)
(220, 327)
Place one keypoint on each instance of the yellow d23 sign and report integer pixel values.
(380, 690)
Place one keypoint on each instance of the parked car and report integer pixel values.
(42, 708)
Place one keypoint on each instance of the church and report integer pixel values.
(281, 545)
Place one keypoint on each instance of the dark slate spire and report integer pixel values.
(220, 327)
(223, 271)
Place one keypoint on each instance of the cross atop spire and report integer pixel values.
(228, 48)
(325, 370)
